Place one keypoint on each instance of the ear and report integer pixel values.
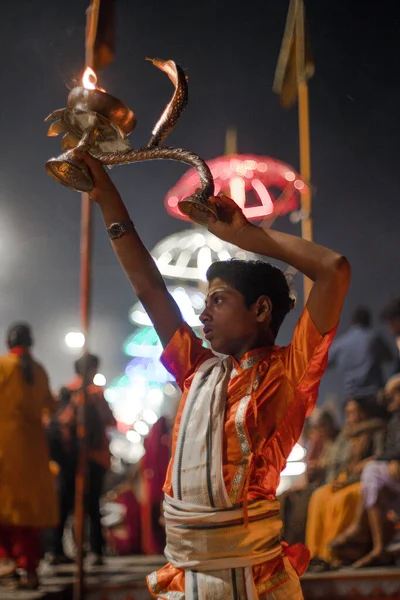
(263, 309)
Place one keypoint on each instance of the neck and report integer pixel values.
(259, 340)
(19, 350)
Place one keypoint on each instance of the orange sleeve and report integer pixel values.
(305, 359)
(184, 354)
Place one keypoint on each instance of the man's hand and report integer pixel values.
(104, 189)
(231, 221)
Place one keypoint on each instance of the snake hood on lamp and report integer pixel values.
(99, 123)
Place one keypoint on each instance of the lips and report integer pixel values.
(207, 332)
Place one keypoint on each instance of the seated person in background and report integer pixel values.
(332, 506)
(321, 434)
(380, 486)
(122, 529)
(322, 437)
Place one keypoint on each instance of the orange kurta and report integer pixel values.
(27, 490)
(260, 428)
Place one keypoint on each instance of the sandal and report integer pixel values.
(28, 580)
(317, 565)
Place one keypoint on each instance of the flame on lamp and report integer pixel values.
(89, 80)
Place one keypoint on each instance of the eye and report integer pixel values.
(218, 299)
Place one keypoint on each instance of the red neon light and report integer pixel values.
(264, 179)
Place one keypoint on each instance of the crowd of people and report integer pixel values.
(346, 512)
(38, 459)
(348, 509)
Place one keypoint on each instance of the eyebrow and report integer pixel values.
(216, 291)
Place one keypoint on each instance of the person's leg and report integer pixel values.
(26, 551)
(372, 481)
(375, 480)
(66, 504)
(5, 544)
(316, 520)
(95, 487)
(7, 563)
(343, 512)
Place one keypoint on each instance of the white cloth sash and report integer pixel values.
(206, 536)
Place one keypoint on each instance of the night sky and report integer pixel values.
(229, 51)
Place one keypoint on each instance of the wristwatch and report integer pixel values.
(117, 230)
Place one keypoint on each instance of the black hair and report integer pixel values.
(391, 310)
(255, 278)
(327, 419)
(19, 335)
(368, 404)
(87, 363)
(64, 396)
(362, 316)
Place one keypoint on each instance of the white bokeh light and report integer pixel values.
(141, 427)
(298, 453)
(150, 416)
(75, 339)
(99, 379)
(133, 436)
(294, 468)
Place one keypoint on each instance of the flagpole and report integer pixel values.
(304, 135)
(85, 306)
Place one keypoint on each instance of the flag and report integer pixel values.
(100, 33)
(295, 63)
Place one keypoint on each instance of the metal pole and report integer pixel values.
(304, 134)
(85, 306)
(80, 480)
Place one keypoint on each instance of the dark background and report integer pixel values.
(229, 51)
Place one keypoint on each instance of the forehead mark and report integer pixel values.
(218, 287)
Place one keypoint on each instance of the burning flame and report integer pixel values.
(89, 80)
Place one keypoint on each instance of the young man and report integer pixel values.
(239, 417)
(99, 418)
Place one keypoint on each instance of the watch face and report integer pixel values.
(116, 230)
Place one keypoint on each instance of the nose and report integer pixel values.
(205, 316)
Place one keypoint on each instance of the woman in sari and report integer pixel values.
(332, 506)
(28, 499)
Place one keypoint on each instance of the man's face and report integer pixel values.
(229, 325)
(352, 413)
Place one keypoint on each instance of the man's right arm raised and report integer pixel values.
(134, 258)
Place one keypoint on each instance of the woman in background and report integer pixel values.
(27, 493)
(332, 507)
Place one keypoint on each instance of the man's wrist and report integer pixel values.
(244, 235)
(119, 228)
(113, 210)
(106, 198)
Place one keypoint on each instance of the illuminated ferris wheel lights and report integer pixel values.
(173, 201)
(290, 176)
